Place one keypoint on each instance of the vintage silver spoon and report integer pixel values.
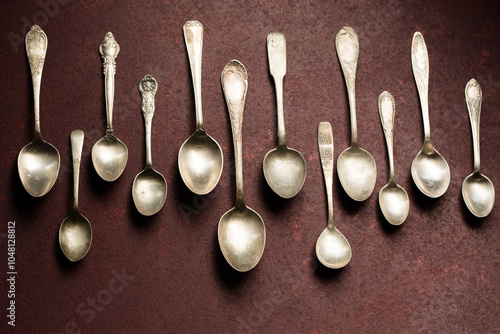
(149, 190)
(284, 168)
(429, 169)
(109, 155)
(242, 234)
(332, 248)
(75, 232)
(477, 190)
(38, 162)
(356, 168)
(200, 156)
(392, 198)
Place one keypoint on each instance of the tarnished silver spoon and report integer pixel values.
(38, 162)
(200, 156)
(75, 232)
(332, 248)
(110, 154)
(284, 168)
(149, 190)
(241, 232)
(355, 166)
(477, 190)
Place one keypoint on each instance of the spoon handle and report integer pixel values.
(473, 97)
(76, 149)
(148, 87)
(276, 53)
(234, 80)
(387, 110)
(420, 66)
(109, 49)
(347, 46)
(193, 36)
(36, 49)
(325, 146)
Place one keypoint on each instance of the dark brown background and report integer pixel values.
(437, 273)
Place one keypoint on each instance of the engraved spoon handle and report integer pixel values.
(420, 66)
(347, 46)
(148, 87)
(473, 97)
(193, 36)
(36, 49)
(77, 137)
(109, 49)
(234, 80)
(276, 52)
(387, 110)
(325, 146)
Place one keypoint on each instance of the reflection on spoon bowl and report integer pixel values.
(479, 194)
(75, 236)
(285, 171)
(200, 162)
(430, 171)
(333, 249)
(109, 156)
(149, 191)
(394, 203)
(357, 172)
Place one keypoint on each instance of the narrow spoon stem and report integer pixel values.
(234, 81)
(420, 66)
(347, 46)
(36, 49)
(193, 36)
(325, 145)
(276, 52)
(109, 49)
(387, 110)
(473, 97)
(148, 87)
(77, 137)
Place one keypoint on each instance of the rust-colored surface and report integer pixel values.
(437, 273)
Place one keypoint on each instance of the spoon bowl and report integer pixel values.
(333, 249)
(479, 194)
(38, 166)
(430, 171)
(200, 162)
(285, 171)
(357, 172)
(149, 191)
(394, 203)
(75, 236)
(109, 156)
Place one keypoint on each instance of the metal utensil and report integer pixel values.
(109, 154)
(392, 198)
(477, 190)
(75, 232)
(356, 168)
(429, 169)
(284, 168)
(332, 248)
(149, 190)
(38, 162)
(241, 232)
(200, 156)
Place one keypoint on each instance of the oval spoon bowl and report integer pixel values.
(479, 194)
(430, 172)
(357, 173)
(333, 249)
(109, 156)
(149, 192)
(394, 203)
(75, 236)
(285, 171)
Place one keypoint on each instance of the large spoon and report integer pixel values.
(284, 168)
(356, 168)
(149, 190)
(477, 190)
(392, 198)
(75, 232)
(332, 248)
(200, 156)
(109, 155)
(38, 162)
(242, 234)
(429, 169)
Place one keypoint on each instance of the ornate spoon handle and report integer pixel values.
(325, 146)
(109, 49)
(420, 66)
(473, 97)
(36, 49)
(77, 137)
(234, 81)
(148, 87)
(276, 53)
(387, 110)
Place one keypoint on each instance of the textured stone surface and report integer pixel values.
(437, 273)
